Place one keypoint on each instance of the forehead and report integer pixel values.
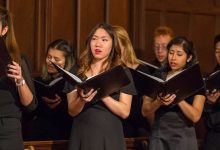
(177, 48)
(55, 52)
(100, 32)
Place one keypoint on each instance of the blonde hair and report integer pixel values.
(128, 56)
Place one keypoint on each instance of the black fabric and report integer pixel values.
(212, 120)
(172, 130)
(136, 125)
(96, 127)
(11, 111)
(46, 123)
(10, 134)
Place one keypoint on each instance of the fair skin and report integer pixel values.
(177, 58)
(160, 50)
(14, 72)
(101, 45)
(57, 57)
(214, 95)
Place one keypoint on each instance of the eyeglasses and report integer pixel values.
(160, 46)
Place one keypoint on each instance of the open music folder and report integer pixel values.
(183, 84)
(105, 83)
(49, 89)
(213, 81)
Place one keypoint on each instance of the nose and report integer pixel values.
(49, 60)
(98, 43)
(173, 57)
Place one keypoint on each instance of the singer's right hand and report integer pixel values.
(87, 97)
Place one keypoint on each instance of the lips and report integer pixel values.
(172, 64)
(97, 51)
(50, 67)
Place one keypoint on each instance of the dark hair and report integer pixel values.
(86, 57)
(65, 47)
(187, 47)
(216, 39)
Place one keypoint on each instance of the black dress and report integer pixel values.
(96, 127)
(136, 125)
(172, 130)
(46, 123)
(212, 121)
(11, 111)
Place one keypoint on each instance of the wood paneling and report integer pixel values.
(89, 14)
(197, 20)
(139, 143)
(24, 24)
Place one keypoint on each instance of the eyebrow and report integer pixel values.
(101, 36)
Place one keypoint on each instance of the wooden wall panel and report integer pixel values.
(61, 18)
(89, 14)
(2, 3)
(117, 13)
(24, 24)
(187, 18)
(202, 33)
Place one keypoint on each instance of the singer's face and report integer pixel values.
(56, 56)
(217, 52)
(160, 47)
(177, 57)
(101, 44)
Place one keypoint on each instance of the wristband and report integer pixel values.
(22, 82)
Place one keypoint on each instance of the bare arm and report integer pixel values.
(194, 111)
(25, 94)
(120, 108)
(77, 100)
(150, 106)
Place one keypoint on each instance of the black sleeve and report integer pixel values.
(28, 79)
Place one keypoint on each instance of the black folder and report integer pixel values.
(184, 84)
(105, 83)
(213, 81)
(5, 58)
(149, 67)
(49, 89)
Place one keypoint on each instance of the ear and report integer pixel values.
(189, 58)
(4, 30)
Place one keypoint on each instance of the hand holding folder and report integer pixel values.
(105, 83)
(184, 84)
(212, 82)
(49, 90)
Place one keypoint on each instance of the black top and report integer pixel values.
(96, 127)
(10, 105)
(172, 130)
(212, 112)
(136, 125)
(46, 123)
